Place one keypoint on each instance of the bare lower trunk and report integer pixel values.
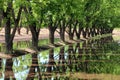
(78, 33)
(84, 33)
(35, 41)
(19, 32)
(35, 35)
(62, 34)
(51, 35)
(71, 36)
(71, 32)
(9, 43)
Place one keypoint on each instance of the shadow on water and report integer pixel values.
(89, 60)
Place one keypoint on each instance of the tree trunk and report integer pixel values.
(35, 35)
(19, 32)
(62, 33)
(71, 34)
(51, 35)
(9, 36)
(78, 33)
(89, 32)
(84, 33)
(19, 28)
(9, 43)
(35, 41)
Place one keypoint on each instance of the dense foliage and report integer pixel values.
(75, 17)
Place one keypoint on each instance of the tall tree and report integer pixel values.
(34, 14)
(9, 16)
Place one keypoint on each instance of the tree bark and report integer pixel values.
(70, 32)
(33, 28)
(84, 33)
(62, 33)
(35, 35)
(9, 36)
(78, 33)
(51, 35)
(9, 43)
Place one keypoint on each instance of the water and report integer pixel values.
(97, 59)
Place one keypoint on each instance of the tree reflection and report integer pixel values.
(9, 74)
(51, 61)
(62, 59)
(33, 67)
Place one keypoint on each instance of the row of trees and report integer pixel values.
(89, 17)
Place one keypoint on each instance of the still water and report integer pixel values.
(96, 59)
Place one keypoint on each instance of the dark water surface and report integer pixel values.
(97, 59)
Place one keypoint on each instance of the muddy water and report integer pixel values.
(97, 59)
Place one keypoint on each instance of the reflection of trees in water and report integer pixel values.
(32, 72)
(9, 74)
(51, 61)
(88, 56)
(61, 61)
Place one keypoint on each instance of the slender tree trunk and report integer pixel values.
(89, 32)
(94, 32)
(19, 28)
(9, 44)
(71, 36)
(70, 32)
(51, 35)
(79, 31)
(84, 33)
(62, 33)
(62, 30)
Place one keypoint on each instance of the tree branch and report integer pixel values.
(16, 23)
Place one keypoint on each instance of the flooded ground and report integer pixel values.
(94, 59)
